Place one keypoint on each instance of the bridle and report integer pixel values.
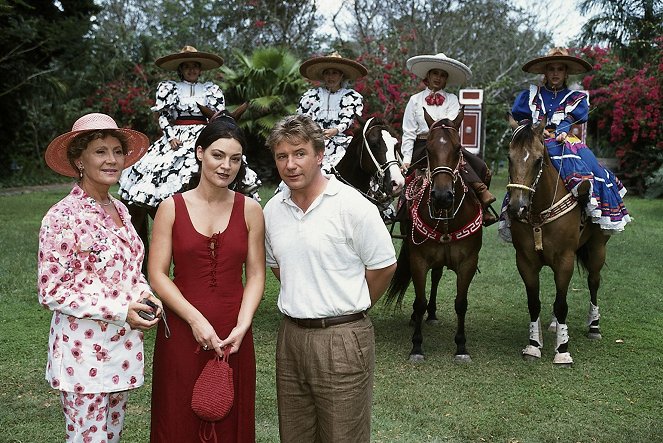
(380, 169)
(554, 210)
(531, 189)
(455, 175)
(415, 193)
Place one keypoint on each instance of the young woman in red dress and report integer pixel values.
(214, 237)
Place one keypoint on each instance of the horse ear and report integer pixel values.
(459, 118)
(539, 126)
(361, 120)
(428, 118)
(207, 112)
(512, 122)
(237, 113)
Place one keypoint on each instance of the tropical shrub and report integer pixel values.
(270, 82)
(128, 99)
(626, 105)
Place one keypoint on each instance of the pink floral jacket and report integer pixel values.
(88, 271)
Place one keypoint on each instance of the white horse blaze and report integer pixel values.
(394, 170)
(526, 156)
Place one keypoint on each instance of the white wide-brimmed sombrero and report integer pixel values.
(574, 65)
(56, 153)
(313, 68)
(189, 54)
(459, 73)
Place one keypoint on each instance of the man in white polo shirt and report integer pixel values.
(333, 255)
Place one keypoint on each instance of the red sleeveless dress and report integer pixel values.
(208, 271)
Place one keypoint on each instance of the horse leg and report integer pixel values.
(563, 275)
(139, 216)
(529, 272)
(435, 277)
(463, 278)
(419, 272)
(594, 263)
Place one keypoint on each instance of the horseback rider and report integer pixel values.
(597, 188)
(437, 72)
(333, 105)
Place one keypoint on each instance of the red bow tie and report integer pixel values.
(435, 99)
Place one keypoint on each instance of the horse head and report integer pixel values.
(224, 114)
(378, 157)
(526, 160)
(444, 159)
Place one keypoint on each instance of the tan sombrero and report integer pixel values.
(189, 54)
(56, 153)
(574, 65)
(459, 73)
(312, 68)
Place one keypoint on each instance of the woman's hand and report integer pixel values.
(331, 132)
(175, 143)
(405, 167)
(205, 335)
(234, 340)
(136, 321)
(561, 137)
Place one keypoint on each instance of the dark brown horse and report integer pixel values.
(446, 231)
(546, 230)
(370, 163)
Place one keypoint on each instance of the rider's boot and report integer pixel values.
(485, 198)
(583, 193)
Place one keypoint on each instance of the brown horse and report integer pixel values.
(546, 230)
(371, 163)
(446, 231)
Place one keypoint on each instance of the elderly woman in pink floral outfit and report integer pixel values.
(89, 270)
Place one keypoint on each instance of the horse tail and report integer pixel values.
(582, 256)
(401, 279)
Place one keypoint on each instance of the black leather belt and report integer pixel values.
(328, 321)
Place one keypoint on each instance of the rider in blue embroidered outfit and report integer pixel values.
(596, 187)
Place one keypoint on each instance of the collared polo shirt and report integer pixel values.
(323, 253)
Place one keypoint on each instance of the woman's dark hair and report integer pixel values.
(81, 141)
(223, 127)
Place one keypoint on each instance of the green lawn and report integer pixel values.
(613, 393)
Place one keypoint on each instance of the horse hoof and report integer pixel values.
(462, 358)
(563, 360)
(592, 335)
(432, 322)
(531, 353)
(416, 358)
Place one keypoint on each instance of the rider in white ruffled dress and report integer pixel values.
(332, 105)
(170, 162)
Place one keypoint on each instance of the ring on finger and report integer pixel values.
(205, 347)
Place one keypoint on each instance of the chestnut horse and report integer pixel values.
(371, 164)
(546, 230)
(445, 231)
